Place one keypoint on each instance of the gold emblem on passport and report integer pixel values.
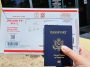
(57, 44)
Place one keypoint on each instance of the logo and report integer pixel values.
(57, 44)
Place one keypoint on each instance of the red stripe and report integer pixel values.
(24, 51)
(40, 10)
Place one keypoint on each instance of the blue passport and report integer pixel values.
(54, 37)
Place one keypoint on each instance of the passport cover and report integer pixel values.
(54, 37)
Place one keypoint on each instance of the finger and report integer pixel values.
(85, 53)
(81, 50)
(75, 57)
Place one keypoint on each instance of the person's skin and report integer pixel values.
(79, 60)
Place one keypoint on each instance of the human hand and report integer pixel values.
(85, 53)
(79, 60)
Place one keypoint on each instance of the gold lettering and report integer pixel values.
(58, 56)
(58, 32)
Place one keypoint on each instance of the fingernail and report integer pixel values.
(64, 48)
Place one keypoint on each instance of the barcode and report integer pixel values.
(12, 36)
(12, 43)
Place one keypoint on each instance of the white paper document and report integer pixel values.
(21, 30)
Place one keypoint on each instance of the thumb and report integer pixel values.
(75, 57)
